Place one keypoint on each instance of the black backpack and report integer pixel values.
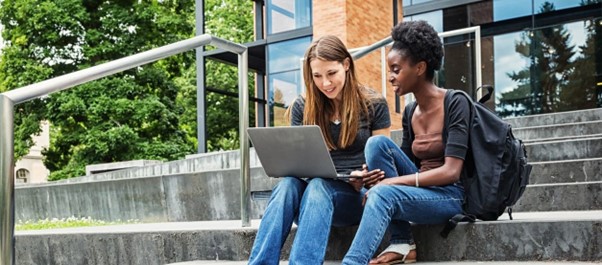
(496, 171)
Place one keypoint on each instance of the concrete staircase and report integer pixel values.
(558, 218)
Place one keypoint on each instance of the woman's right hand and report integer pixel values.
(371, 178)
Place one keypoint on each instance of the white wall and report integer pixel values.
(32, 162)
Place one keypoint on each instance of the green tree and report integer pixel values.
(132, 115)
(582, 91)
(36, 36)
(541, 82)
(145, 113)
(231, 20)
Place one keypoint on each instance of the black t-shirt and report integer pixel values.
(352, 157)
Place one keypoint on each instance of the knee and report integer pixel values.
(377, 140)
(288, 187)
(376, 145)
(318, 190)
(379, 195)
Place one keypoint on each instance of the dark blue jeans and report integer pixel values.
(395, 206)
(315, 205)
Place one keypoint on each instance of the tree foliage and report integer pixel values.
(148, 112)
(232, 20)
(559, 77)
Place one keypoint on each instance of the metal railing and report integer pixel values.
(10, 98)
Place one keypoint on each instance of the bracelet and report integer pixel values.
(417, 180)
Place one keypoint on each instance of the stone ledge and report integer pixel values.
(107, 167)
(544, 236)
(556, 118)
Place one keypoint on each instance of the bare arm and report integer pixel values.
(444, 175)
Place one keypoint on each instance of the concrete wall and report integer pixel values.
(211, 195)
(172, 191)
(191, 164)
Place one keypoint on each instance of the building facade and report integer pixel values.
(541, 56)
(30, 168)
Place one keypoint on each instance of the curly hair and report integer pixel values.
(418, 41)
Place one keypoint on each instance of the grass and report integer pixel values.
(65, 223)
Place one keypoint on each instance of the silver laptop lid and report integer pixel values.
(298, 151)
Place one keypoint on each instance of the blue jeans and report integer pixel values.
(315, 205)
(395, 205)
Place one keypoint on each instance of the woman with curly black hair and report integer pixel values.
(421, 178)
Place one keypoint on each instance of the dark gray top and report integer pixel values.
(352, 157)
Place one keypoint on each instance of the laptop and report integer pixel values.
(298, 151)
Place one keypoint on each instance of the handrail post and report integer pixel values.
(7, 182)
(383, 70)
(477, 65)
(245, 170)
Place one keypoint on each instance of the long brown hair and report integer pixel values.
(319, 108)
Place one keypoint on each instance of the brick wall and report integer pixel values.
(329, 18)
(359, 23)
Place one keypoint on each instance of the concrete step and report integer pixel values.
(582, 148)
(565, 130)
(556, 118)
(574, 196)
(581, 170)
(213, 195)
(543, 236)
(215, 262)
(561, 197)
(562, 138)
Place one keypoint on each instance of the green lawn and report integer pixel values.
(65, 223)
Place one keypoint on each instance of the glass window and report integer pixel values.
(457, 70)
(512, 94)
(550, 69)
(455, 18)
(285, 87)
(508, 9)
(286, 55)
(434, 18)
(284, 80)
(414, 2)
(285, 15)
(542, 6)
(22, 175)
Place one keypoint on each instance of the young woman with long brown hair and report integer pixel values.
(348, 114)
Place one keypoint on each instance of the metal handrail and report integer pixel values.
(360, 52)
(10, 98)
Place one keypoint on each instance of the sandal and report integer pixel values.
(401, 249)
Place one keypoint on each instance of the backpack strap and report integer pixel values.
(453, 222)
(487, 96)
(463, 217)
